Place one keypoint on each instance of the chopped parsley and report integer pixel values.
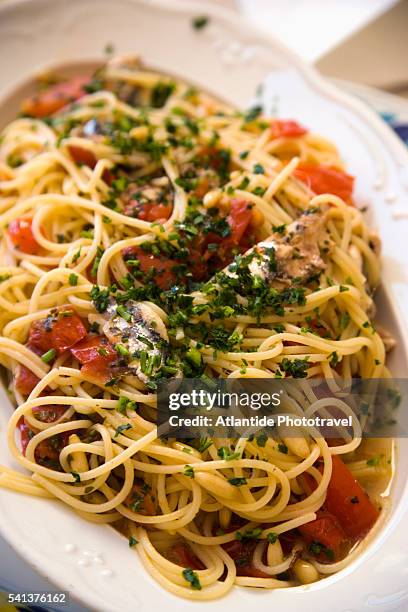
(192, 577)
(189, 471)
(125, 314)
(73, 279)
(122, 428)
(253, 113)
(160, 94)
(249, 534)
(333, 359)
(228, 455)
(297, 368)
(258, 169)
(200, 22)
(49, 356)
(237, 482)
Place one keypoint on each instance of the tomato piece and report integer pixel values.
(198, 263)
(348, 501)
(287, 128)
(252, 571)
(154, 212)
(318, 328)
(85, 157)
(181, 554)
(54, 98)
(324, 179)
(236, 550)
(49, 413)
(307, 483)
(164, 276)
(67, 331)
(49, 448)
(82, 156)
(25, 380)
(217, 159)
(108, 177)
(326, 531)
(59, 332)
(239, 218)
(25, 434)
(146, 202)
(96, 355)
(140, 499)
(241, 553)
(39, 338)
(21, 235)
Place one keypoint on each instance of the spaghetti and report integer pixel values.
(151, 232)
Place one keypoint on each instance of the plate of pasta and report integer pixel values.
(207, 210)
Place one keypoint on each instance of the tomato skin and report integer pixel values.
(155, 212)
(252, 571)
(164, 276)
(82, 156)
(324, 179)
(63, 333)
(25, 380)
(241, 553)
(239, 218)
(85, 157)
(182, 555)
(205, 262)
(49, 412)
(21, 235)
(236, 549)
(46, 414)
(356, 517)
(55, 97)
(147, 209)
(140, 492)
(67, 331)
(94, 364)
(287, 128)
(326, 530)
(25, 434)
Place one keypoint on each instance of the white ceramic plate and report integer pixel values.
(231, 59)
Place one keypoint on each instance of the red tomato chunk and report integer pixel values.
(96, 356)
(21, 235)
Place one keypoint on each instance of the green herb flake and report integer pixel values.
(189, 471)
(237, 482)
(122, 428)
(200, 22)
(49, 356)
(258, 169)
(272, 537)
(192, 577)
(125, 314)
(228, 455)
